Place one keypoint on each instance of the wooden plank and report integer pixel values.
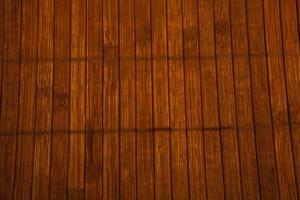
(209, 88)
(76, 161)
(261, 102)
(9, 98)
(61, 101)
(179, 154)
(243, 97)
(291, 49)
(41, 171)
(160, 100)
(197, 181)
(144, 115)
(111, 151)
(279, 107)
(27, 101)
(93, 180)
(226, 84)
(2, 11)
(127, 100)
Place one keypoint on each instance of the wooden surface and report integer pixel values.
(150, 99)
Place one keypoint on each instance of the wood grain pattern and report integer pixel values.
(279, 107)
(27, 101)
(227, 107)
(111, 101)
(210, 104)
(94, 99)
(161, 107)
(261, 102)
(193, 100)
(290, 39)
(243, 98)
(44, 92)
(61, 101)
(179, 158)
(144, 101)
(127, 100)
(149, 99)
(10, 96)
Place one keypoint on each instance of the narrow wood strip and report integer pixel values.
(2, 9)
(261, 102)
(127, 101)
(76, 161)
(209, 88)
(225, 76)
(27, 101)
(290, 37)
(163, 186)
(144, 115)
(193, 101)
(41, 171)
(179, 154)
(279, 107)
(10, 94)
(243, 97)
(111, 93)
(61, 101)
(94, 94)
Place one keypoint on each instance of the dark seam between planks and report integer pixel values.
(99, 58)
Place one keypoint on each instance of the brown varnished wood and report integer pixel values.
(94, 94)
(127, 100)
(261, 102)
(161, 107)
(76, 157)
(149, 99)
(27, 101)
(193, 103)
(61, 101)
(279, 106)
(209, 89)
(227, 107)
(111, 101)
(290, 38)
(144, 111)
(243, 98)
(179, 158)
(43, 122)
(10, 96)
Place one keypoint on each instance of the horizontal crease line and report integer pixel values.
(162, 129)
(78, 59)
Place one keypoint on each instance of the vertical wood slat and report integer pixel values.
(76, 161)
(144, 100)
(41, 171)
(193, 100)
(225, 73)
(279, 106)
(161, 112)
(27, 101)
(111, 94)
(212, 140)
(61, 101)
(290, 37)
(179, 160)
(2, 9)
(261, 102)
(10, 93)
(127, 100)
(94, 142)
(243, 89)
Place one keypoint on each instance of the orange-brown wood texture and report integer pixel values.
(149, 99)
